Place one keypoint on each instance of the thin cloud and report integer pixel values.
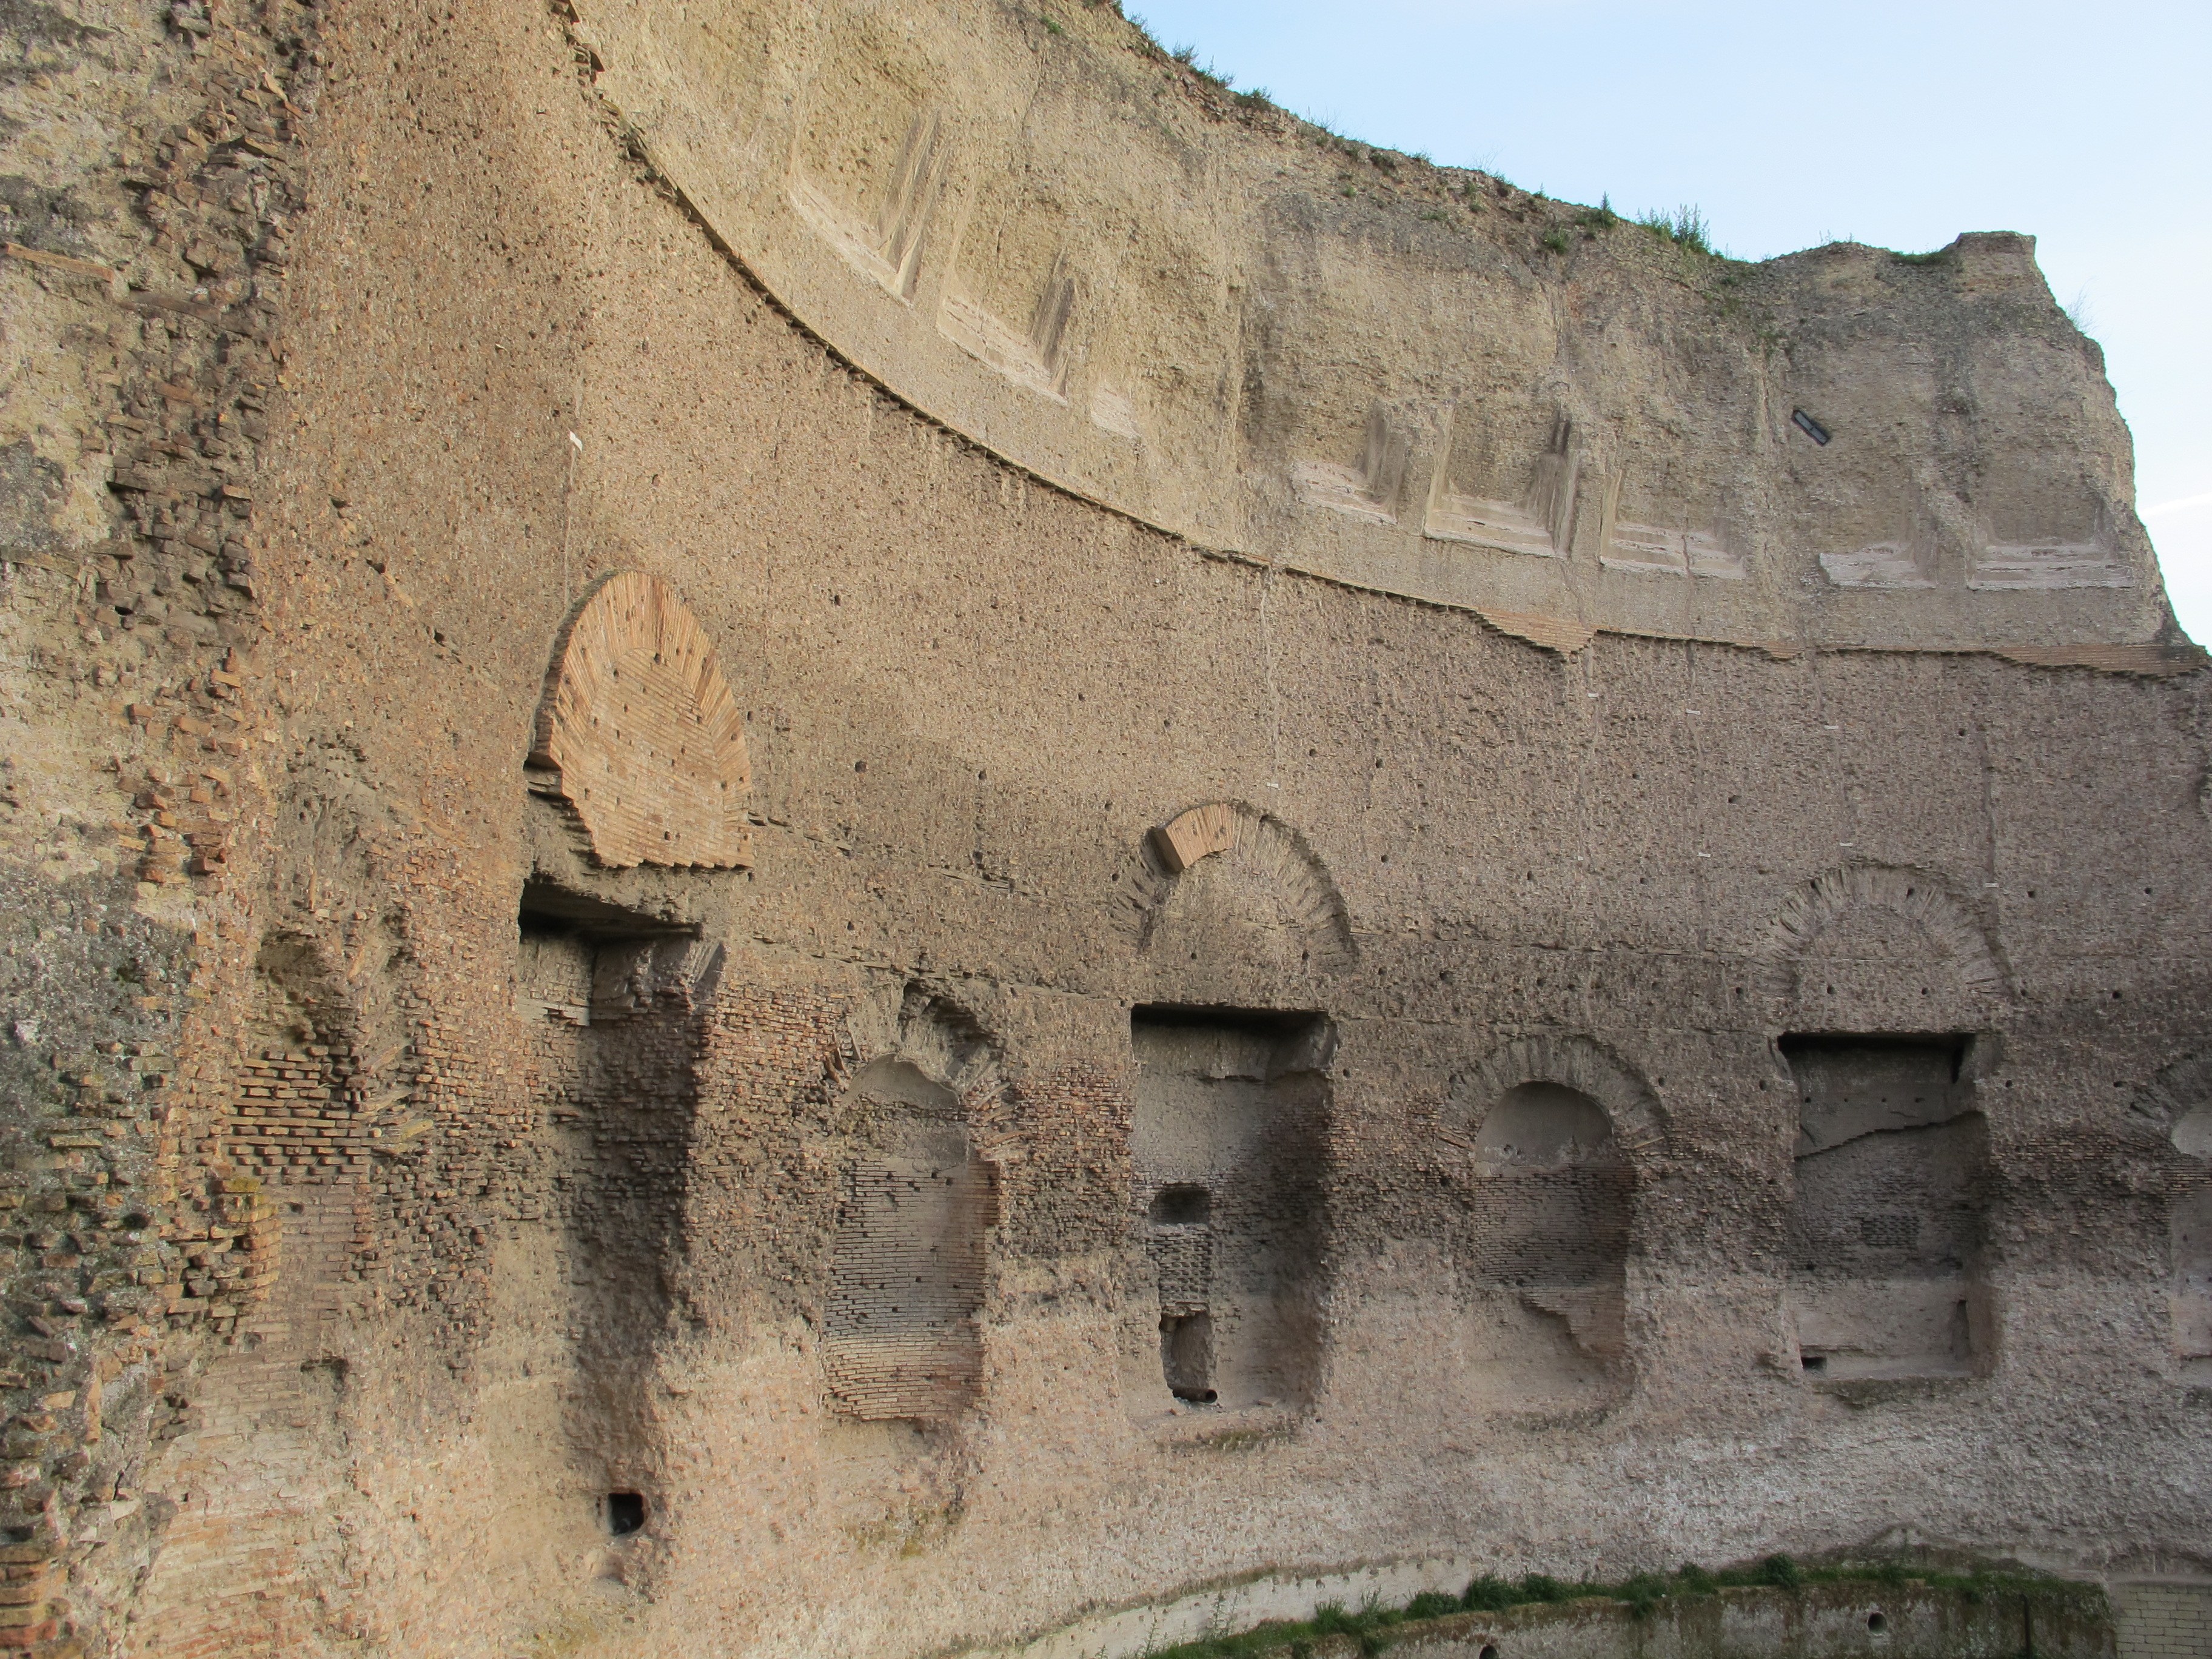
(2187, 503)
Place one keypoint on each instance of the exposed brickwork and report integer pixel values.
(297, 1117)
(2163, 1621)
(640, 725)
(906, 1270)
(165, 292)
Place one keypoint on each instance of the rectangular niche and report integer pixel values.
(1887, 1223)
(1011, 298)
(606, 994)
(872, 152)
(1505, 481)
(585, 962)
(1229, 1145)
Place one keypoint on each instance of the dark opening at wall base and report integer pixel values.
(1187, 1356)
(625, 1513)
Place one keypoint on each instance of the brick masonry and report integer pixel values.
(2163, 1620)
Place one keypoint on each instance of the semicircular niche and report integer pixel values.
(641, 732)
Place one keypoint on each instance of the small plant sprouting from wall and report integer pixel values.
(1374, 1626)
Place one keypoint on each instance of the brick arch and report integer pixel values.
(641, 732)
(1915, 895)
(1579, 1063)
(1236, 829)
(932, 1031)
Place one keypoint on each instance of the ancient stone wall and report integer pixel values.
(584, 807)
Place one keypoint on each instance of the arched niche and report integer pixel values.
(901, 1337)
(2178, 1108)
(1555, 1130)
(1576, 1063)
(1226, 882)
(639, 734)
(1877, 948)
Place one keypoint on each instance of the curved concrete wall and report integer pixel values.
(1216, 319)
(410, 1192)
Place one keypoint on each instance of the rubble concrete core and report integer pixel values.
(851, 830)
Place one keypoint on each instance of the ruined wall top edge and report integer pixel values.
(1219, 320)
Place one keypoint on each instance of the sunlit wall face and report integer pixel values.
(1893, 123)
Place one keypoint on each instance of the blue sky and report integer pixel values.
(1792, 125)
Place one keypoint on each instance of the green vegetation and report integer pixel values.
(1686, 228)
(1375, 1626)
(1187, 56)
(1557, 240)
(1601, 217)
(1780, 1571)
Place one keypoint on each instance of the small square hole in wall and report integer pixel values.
(1814, 1363)
(625, 1513)
(1182, 1206)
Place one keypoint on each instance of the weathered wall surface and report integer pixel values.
(410, 1198)
(1231, 324)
